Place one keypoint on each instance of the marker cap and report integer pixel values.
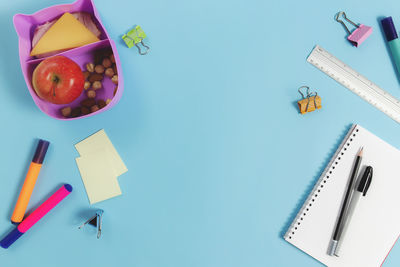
(389, 29)
(365, 181)
(10, 238)
(41, 150)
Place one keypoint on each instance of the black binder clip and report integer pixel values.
(95, 221)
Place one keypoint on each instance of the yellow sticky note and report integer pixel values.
(66, 33)
(100, 142)
(98, 176)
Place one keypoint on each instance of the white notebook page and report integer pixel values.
(375, 224)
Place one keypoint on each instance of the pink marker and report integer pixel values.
(36, 215)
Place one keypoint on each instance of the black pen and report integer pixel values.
(345, 206)
(362, 186)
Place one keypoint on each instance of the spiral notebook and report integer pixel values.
(375, 224)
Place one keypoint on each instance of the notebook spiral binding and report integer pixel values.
(319, 186)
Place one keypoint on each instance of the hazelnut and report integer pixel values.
(97, 85)
(108, 101)
(106, 62)
(66, 112)
(99, 69)
(87, 85)
(94, 108)
(95, 77)
(109, 72)
(114, 79)
(112, 58)
(114, 67)
(101, 103)
(86, 74)
(90, 67)
(85, 110)
(76, 112)
(88, 102)
(91, 94)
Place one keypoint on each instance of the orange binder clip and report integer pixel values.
(310, 102)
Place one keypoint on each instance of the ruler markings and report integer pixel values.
(353, 73)
(349, 77)
(355, 82)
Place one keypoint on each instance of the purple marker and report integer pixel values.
(393, 41)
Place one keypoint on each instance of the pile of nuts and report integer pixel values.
(103, 65)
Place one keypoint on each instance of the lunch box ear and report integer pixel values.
(22, 24)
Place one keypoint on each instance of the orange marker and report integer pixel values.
(30, 181)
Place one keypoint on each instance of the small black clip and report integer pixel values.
(95, 221)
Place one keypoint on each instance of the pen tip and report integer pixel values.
(360, 153)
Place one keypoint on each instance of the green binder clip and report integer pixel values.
(135, 37)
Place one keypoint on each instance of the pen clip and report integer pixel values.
(365, 181)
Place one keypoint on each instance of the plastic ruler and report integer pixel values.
(355, 82)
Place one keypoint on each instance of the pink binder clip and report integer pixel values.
(359, 35)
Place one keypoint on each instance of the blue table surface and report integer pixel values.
(219, 158)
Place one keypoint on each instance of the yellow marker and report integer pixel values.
(30, 181)
(66, 33)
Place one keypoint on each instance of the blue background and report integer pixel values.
(219, 158)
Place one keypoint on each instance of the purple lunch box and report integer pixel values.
(25, 26)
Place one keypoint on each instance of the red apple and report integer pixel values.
(58, 80)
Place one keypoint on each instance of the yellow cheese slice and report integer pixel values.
(66, 33)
